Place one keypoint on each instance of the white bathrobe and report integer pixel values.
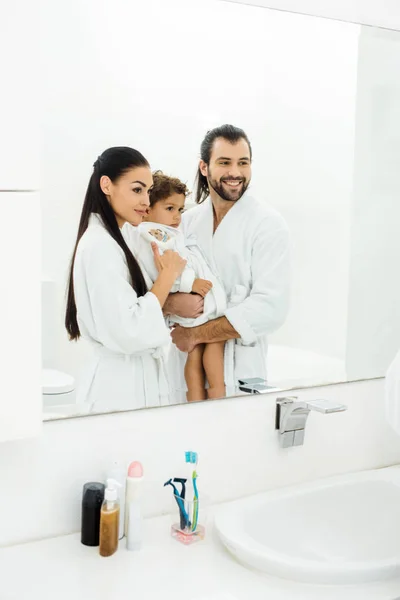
(250, 254)
(128, 334)
(140, 240)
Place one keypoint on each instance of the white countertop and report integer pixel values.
(61, 568)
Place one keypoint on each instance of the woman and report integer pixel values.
(109, 302)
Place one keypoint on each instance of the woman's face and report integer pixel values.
(168, 212)
(129, 195)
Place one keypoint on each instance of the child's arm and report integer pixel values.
(184, 283)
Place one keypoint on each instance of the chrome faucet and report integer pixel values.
(291, 417)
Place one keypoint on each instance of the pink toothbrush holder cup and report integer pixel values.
(189, 525)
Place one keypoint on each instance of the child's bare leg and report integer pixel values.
(213, 362)
(194, 375)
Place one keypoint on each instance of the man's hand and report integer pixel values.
(183, 338)
(189, 306)
(216, 330)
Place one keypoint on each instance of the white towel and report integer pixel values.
(392, 394)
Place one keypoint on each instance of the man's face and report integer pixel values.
(229, 171)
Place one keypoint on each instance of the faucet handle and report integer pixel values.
(291, 416)
(285, 401)
(326, 406)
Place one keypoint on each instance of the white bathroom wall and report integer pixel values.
(379, 13)
(161, 84)
(19, 124)
(20, 395)
(20, 223)
(374, 292)
(236, 441)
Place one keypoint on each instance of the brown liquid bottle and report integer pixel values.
(109, 520)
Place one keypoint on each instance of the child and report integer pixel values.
(206, 361)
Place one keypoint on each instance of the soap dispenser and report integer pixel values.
(92, 500)
(109, 519)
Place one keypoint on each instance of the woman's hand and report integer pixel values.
(170, 262)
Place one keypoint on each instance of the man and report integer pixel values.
(246, 244)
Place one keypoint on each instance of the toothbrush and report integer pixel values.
(192, 458)
(184, 517)
(195, 501)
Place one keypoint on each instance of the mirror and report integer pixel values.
(318, 101)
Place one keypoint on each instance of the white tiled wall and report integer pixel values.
(236, 441)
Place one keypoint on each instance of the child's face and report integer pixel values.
(168, 211)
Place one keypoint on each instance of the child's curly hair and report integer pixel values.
(164, 187)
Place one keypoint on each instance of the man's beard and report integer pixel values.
(230, 195)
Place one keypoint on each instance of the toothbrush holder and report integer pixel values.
(185, 527)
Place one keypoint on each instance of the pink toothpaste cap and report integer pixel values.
(135, 469)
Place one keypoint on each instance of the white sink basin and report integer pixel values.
(339, 530)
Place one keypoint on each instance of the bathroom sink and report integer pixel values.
(339, 530)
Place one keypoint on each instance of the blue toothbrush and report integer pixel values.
(195, 502)
(192, 458)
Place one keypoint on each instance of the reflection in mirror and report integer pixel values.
(268, 244)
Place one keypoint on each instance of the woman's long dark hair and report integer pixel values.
(114, 162)
(230, 133)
